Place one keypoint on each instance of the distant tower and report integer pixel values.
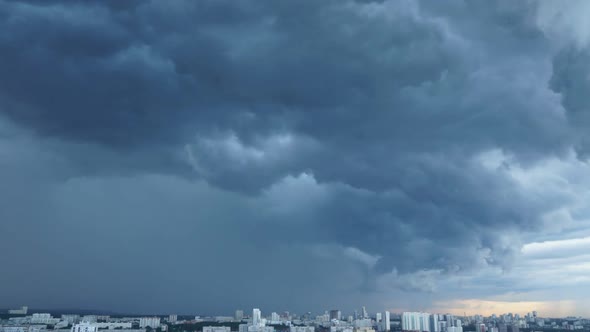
(365, 315)
(335, 314)
(256, 317)
(385, 321)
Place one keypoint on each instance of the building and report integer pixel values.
(43, 319)
(301, 329)
(416, 321)
(364, 329)
(153, 322)
(216, 329)
(172, 318)
(256, 317)
(386, 321)
(89, 318)
(365, 314)
(335, 314)
(239, 315)
(71, 319)
(13, 328)
(84, 327)
(22, 311)
(434, 325)
(362, 323)
(274, 318)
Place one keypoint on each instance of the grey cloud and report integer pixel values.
(281, 125)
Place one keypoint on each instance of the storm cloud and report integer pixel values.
(293, 155)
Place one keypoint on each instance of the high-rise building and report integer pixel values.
(239, 315)
(385, 321)
(416, 321)
(172, 318)
(365, 314)
(335, 314)
(434, 326)
(450, 320)
(256, 317)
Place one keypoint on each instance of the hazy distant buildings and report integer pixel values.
(89, 318)
(153, 322)
(14, 328)
(385, 321)
(258, 324)
(335, 314)
(362, 323)
(22, 311)
(301, 329)
(481, 328)
(43, 319)
(274, 318)
(239, 315)
(71, 319)
(172, 318)
(84, 327)
(216, 329)
(416, 321)
(256, 317)
(434, 325)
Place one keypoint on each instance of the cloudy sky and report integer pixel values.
(204, 156)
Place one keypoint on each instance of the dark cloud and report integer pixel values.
(288, 137)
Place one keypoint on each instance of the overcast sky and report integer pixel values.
(197, 157)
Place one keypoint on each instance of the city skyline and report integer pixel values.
(206, 155)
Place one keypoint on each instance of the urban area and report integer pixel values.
(25, 320)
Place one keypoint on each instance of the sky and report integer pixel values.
(198, 157)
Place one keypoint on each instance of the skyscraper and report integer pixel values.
(385, 321)
(256, 317)
(365, 314)
(434, 326)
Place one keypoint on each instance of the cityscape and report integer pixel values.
(20, 320)
(294, 165)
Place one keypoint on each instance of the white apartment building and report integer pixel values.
(301, 329)
(84, 327)
(416, 321)
(152, 322)
(385, 321)
(216, 329)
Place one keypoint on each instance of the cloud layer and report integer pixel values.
(225, 154)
